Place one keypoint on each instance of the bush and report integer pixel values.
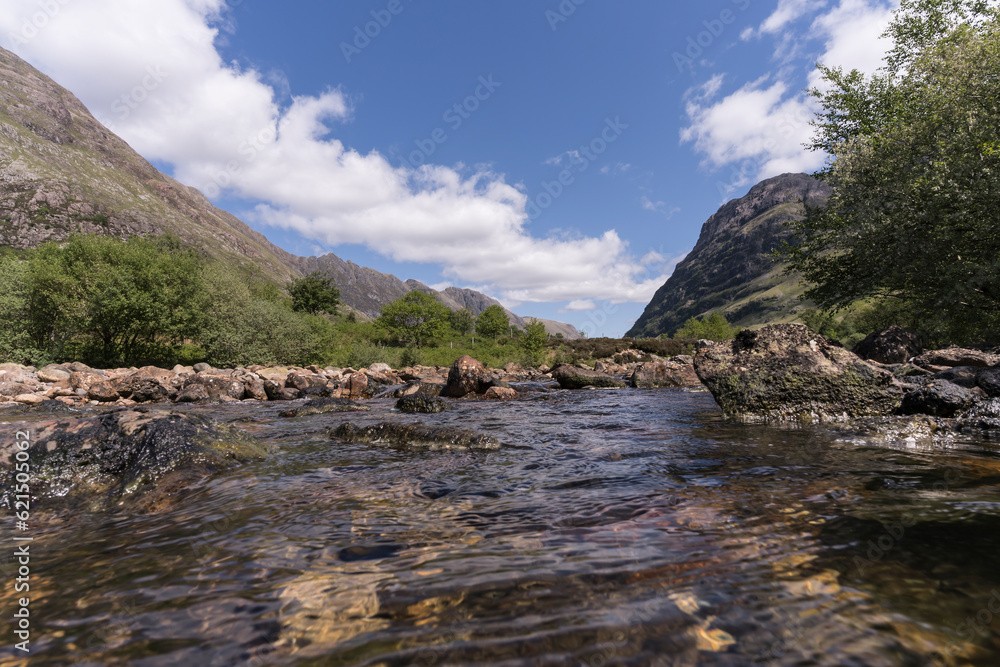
(16, 344)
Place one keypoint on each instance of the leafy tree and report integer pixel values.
(416, 317)
(915, 168)
(533, 341)
(16, 344)
(314, 294)
(462, 321)
(711, 327)
(118, 301)
(493, 322)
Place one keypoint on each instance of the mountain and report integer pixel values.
(731, 267)
(63, 172)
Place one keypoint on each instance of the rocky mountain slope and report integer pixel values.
(63, 172)
(731, 268)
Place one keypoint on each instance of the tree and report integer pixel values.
(415, 318)
(711, 327)
(16, 344)
(493, 322)
(314, 294)
(913, 221)
(462, 321)
(113, 301)
(533, 341)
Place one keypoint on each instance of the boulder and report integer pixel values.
(53, 373)
(664, 374)
(963, 376)
(465, 377)
(956, 356)
(303, 380)
(415, 436)
(15, 373)
(938, 398)
(192, 394)
(985, 416)
(989, 381)
(11, 389)
(380, 368)
(500, 394)
(572, 377)
(104, 392)
(357, 386)
(418, 403)
(219, 385)
(145, 385)
(894, 345)
(126, 453)
(787, 372)
(322, 406)
(28, 399)
(202, 367)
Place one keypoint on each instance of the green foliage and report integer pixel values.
(314, 294)
(462, 321)
(712, 327)
(913, 220)
(533, 341)
(410, 357)
(415, 318)
(16, 344)
(493, 322)
(113, 301)
(241, 329)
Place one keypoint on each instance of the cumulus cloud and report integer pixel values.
(164, 88)
(579, 306)
(759, 129)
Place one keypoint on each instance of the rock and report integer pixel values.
(989, 381)
(500, 394)
(571, 377)
(464, 377)
(938, 398)
(85, 379)
(985, 415)
(53, 373)
(219, 384)
(145, 385)
(276, 391)
(894, 345)
(956, 356)
(664, 374)
(357, 386)
(202, 367)
(321, 406)
(786, 372)
(182, 370)
(127, 453)
(10, 389)
(418, 403)
(380, 368)
(303, 381)
(104, 391)
(14, 373)
(253, 385)
(276, 373)
(28, 399)
(963, 376)
(415, 436)
(192, 394)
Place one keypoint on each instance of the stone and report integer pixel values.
(963, 376)
(938, 398)
(145, 385)
(104, 392)
(322, 406)
(276, 391)
(500, 394)
(787, 372)
(84, 379)
(380, 368)
(464, 377)
(202, 367)
(303, 381)
(985, 415)
(357, 386)
(415, 436)
(572, 377)
(28, 399)
(989, 381)
(956, 356)
(219, 384)
(653, 374)
(894, 345)
(53, 373)
(192, 394)
(418, 403)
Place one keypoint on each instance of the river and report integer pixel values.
(629, 527)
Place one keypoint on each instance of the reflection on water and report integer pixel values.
(614, 528)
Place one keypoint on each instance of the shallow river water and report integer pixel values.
(613, 528)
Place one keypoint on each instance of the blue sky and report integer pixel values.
(560, 155)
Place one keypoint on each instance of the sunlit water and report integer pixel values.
(613, 528)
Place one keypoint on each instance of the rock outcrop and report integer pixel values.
(786, 372)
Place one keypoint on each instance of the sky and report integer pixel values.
(559, 155)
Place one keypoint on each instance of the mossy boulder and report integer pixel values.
(102, 460)
(573, 377)
(787, 372)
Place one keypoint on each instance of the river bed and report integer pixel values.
(612, 528)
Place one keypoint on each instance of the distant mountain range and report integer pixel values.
(731, 268)
(63, 172)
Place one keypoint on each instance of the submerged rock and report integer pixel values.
(322, 406)
(420, 403)
(127, 453)
(787, 372)
(415, 436)
(572, 377)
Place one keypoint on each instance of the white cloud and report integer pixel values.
(579, 306)
(151, 71)
(617, 168)
(759, 129)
